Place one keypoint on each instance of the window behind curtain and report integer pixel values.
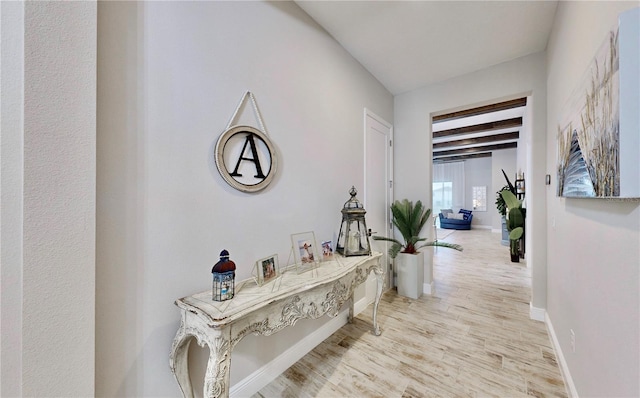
(442, 196)
(448, 186)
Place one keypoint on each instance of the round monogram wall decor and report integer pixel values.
(246, 158)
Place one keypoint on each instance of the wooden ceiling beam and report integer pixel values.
(475, 149)
(462, 157)
(483, 127)
(500, 106)
(478, 140)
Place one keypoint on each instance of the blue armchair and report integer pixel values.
(461, 221)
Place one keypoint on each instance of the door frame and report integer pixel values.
(389, 226)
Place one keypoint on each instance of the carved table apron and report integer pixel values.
(264, 310)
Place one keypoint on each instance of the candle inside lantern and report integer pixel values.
(354, 241)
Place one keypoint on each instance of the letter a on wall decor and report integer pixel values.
(245, 156)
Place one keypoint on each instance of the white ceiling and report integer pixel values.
(410, 44)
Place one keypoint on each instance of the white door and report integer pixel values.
(378, 189)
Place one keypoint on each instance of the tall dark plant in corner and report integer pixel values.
(509, 184)
(410, 219)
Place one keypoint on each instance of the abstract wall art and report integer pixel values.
(599, 135)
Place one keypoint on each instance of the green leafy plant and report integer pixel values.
(515, 219)
(500, 203)
(409, 219)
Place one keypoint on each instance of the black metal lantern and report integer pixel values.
(353, 239)
(224, 278)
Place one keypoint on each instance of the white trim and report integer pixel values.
(496, 231)
(564, 368)
(537, 314)
(368, 114)
(428, 288)
(378, 118)
(267, 373)
(361, 305)
(481, 227)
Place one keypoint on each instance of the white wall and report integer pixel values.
(477, 172)
(170, 75)
(48, 182)
(500, 160)
(11, 181)
(521, 77)
(593, 245)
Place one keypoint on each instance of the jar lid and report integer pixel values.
(224, 265)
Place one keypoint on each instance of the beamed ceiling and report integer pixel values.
(477, 132)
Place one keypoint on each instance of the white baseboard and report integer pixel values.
(537, 314)
(564, 368)
(428, 288)
(267, 373)
(360, 305)
(496, 231)
(481, 227)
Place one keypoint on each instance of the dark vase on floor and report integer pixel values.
(515, 258)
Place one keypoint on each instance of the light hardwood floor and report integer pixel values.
(471, 338)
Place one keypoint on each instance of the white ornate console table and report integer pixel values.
(263, 311)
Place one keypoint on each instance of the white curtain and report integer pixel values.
(453, 172)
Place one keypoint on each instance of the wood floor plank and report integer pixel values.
(472, 337)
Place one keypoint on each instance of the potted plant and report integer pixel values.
(501, 206)
(515, 222)
(410, 219)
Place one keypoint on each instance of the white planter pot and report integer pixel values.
(410, 271)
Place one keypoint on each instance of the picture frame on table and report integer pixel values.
(327, 250)
(305, 248)
(268, 269)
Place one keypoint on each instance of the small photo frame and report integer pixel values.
(305, 249)
(327, 250)
(268, 269)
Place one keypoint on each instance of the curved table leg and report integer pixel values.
(351, 308)
(179, 361)
(216, 380)
(380, 285)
